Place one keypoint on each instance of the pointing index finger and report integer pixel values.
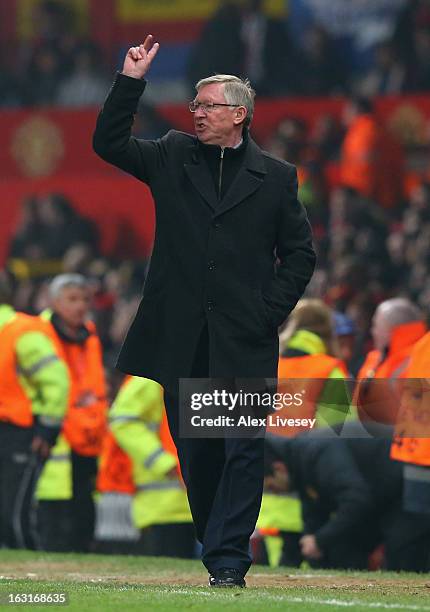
(147, 43)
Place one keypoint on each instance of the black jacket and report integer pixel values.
(213, 261)
(343, 483)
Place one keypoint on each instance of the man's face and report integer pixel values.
(381, 329)
(219, 125)
(72, 306)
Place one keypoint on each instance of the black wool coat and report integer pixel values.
(238, 265)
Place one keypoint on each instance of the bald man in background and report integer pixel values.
(397, 325)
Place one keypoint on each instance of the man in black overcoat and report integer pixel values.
(232, 256)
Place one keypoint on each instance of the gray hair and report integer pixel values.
(400, 310)
(62, 281)
(236, 91)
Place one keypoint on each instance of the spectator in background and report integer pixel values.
(86, 85)
(10, 88)
(411, 444)
(49, 227)
(326, 138)
(268, 55)
(414, 17)
(358, 233)
(290, 142)
(345, 331)
(387, 75)
(50, 56)
(372, 160)
(412, 251)
(347, 512)
(160, 509)
(419, 70)
(27, 242)
(85, 422)
(309, 351)
(53, 20)
(219, 49)
(55, 25)
(63, 227)
(43, 77)
(396, 326)
(115, 532)
(253, 45)
(322, 72)
(34, 392)
(307, 365)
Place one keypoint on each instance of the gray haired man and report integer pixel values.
(232, 256)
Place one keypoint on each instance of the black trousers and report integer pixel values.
(19, 470)
(224, 480)
(69, 525)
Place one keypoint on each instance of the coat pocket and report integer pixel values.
(263, 313)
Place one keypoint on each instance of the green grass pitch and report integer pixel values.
(122, 583)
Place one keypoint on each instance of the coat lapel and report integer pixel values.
(199, 175)
(249, 178)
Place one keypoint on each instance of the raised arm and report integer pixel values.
(112, 139)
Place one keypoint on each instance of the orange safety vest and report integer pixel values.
(414, 413)
(85, 421)
(115, 468)
(359, 159)
(305, 375)
(15, 405)
(379, 401)
(372, 161)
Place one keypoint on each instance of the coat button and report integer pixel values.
(216, 225)
(211, 265)
(210, 305)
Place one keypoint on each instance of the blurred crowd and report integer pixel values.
(51, 237)
(61, 67)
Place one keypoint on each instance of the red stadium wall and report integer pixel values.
(50, 150)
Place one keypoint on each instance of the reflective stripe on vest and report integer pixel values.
(130, 419)
(37, 366)
(62, 457)
(15, 405)
(160, 486)
(123, 419)
(152, 458)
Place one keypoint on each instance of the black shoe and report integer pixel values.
(226, 577)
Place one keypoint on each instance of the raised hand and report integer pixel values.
(138, 59)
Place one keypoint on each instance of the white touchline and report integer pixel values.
(348, 604)
(323, 602)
